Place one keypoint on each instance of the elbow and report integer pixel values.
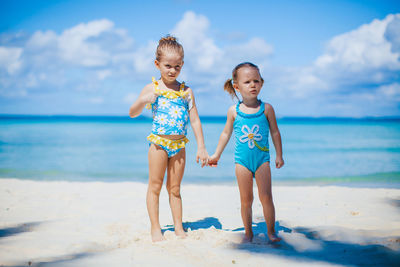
(132, 114)
(276, 134)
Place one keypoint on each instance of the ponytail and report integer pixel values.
(228, 86)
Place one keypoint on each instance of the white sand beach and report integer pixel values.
(106, 224)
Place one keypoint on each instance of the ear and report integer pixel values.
(235, 86)
(157, 64)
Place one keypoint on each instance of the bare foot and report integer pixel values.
(156, 235)
(273, 238)
(180, 233)
(247, 238)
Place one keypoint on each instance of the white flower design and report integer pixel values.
(163, 103)
(175, 112)
(162, 119)
(161, 130)
(250, 135)
(180, 125)
(172, 122)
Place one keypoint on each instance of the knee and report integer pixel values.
(265, 198)
(155, 188)
(247, 201)
(174, 191)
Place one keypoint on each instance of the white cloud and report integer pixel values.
(79, 57)
(143, 58)
(356, 62)
(361, 51)
(75, 45)
(391, 91)
(200, 48)
(42, 40)
(10, 59)
(360, 66)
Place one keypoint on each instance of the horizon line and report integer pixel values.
(143, 117)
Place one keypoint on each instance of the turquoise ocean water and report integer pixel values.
(359, 152)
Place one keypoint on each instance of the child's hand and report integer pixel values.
(279, 162)
(150, 98)
(213, 161)
(202, 155)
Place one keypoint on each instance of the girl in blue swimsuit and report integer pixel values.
(172, 104)
(251, 120)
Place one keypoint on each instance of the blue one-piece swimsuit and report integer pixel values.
(251, 136)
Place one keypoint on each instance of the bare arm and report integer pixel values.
(146, 96)
(198, 133)
(224, 137)
(275, 135)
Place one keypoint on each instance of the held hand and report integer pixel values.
(202, 155)
(279, 162)
(213, 161)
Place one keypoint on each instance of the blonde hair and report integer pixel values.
(168, 44)
(228, 85)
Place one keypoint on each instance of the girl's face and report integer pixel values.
(170, 66)
(248, 82)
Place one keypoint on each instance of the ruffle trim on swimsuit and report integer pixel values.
(245, 115)
(171, 94)
(169, 143)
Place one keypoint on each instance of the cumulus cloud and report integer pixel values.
(47, 60)
(360, 66)
(10, 59)
(192, 33)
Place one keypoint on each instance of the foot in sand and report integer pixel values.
(180, 233)
(156, 235)
(273, 238)
(247, 238)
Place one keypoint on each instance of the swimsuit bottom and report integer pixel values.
(172, 147)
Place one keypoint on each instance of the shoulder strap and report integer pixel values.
(155, 82)
(182, 86)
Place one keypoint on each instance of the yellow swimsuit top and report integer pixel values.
(170, 110)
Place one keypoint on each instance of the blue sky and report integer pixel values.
(318, 58)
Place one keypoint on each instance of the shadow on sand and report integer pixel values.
(306, 244)
(54, 261)
(21, 228)
(200, 224)
(51, 261)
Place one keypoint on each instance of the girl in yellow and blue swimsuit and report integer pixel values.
(173, 105)
(251, 120)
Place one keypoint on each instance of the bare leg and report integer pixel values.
(158, 159)
(175, 170)
(245, 183)
(263, 180)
